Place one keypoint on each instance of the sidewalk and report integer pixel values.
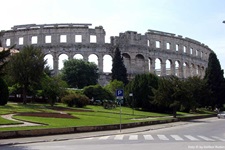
(90, 134)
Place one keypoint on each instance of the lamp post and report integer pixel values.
(131, 96)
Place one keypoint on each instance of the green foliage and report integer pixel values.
(4, 56)
(4, 92)
(98, 93)
(119, 71)
(112, 86)
(78, 100)
(171, 93)
(53, 88)
(198, 93)
(26, 68)
(78, 73)
(141, 87)
(215, 81)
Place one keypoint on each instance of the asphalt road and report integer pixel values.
(197, 134)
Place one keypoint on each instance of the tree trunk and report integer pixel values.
(24, 96)
(174, 112)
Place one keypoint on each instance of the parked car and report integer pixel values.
(221, 114)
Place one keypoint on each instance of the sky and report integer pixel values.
(200, 20)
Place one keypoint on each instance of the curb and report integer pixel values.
(69, 130)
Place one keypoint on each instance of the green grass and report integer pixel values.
(4, 121)
(98, 116)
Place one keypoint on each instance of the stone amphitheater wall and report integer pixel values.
(176, 55)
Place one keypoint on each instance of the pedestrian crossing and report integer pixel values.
(159, 137)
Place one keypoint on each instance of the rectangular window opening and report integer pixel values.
(168, 45)
(34, 40)
(78, 38)
(185, 49)
(63, 39)
(157, 44)
(148, 43)
(21, 41)
(48, 39)
(8, 42)
(93, 39)
(177, 47)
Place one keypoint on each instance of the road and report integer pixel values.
(196, 134)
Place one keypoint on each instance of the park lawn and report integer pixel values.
(4, 121)
(96, 115)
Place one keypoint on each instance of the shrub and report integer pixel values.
(75, 99)
(4, 92)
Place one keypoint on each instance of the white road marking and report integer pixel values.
(191, 138)
(133, 137)
(104, 138)
(177, 137)
(119, 137)
(205, 138)
(163, 137)
(218, 138)
(148, 137)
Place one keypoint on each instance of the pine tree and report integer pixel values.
(119, 71)
(215, 81)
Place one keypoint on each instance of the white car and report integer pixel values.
(221, 114)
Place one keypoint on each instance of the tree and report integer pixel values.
(98, 93)
(215, 81)
(112, 86)
(3, 59)
(141, 87)
(4, 92)
(119, 71)
(78, 73)
(170, 93)
(26, 68)
(53, 88)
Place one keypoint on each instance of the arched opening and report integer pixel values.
(49, 60)
(93, 58)
(62, 59)
(127, 62)
(168, 67)
(177, 68)
(78, 56)
(158, 67)
(107, 63)
(193, 70)
(139, 60)
(185, 69)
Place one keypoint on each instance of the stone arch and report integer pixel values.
(192, 70)
(78, 56)
(127, 62)
(49, 60)
(177, 68)
(186, 69)
(158, 66)
(93, 58)
(168, 67)
(107, 63)
(140, 63)
(62, 58)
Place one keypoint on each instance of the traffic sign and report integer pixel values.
(119, 94)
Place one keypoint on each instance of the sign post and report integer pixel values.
(119, 95)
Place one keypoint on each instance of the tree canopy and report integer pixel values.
(78, 73)
(119, 71)
(27, 68)
(215, 81)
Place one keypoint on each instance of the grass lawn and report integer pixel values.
(96, 115)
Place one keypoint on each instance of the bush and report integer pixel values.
(4, 92)
(75, 99)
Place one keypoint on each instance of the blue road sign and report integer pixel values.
(119, 93)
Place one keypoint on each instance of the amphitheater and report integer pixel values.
(175, 55)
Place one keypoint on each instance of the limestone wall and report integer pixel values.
(177, 55)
